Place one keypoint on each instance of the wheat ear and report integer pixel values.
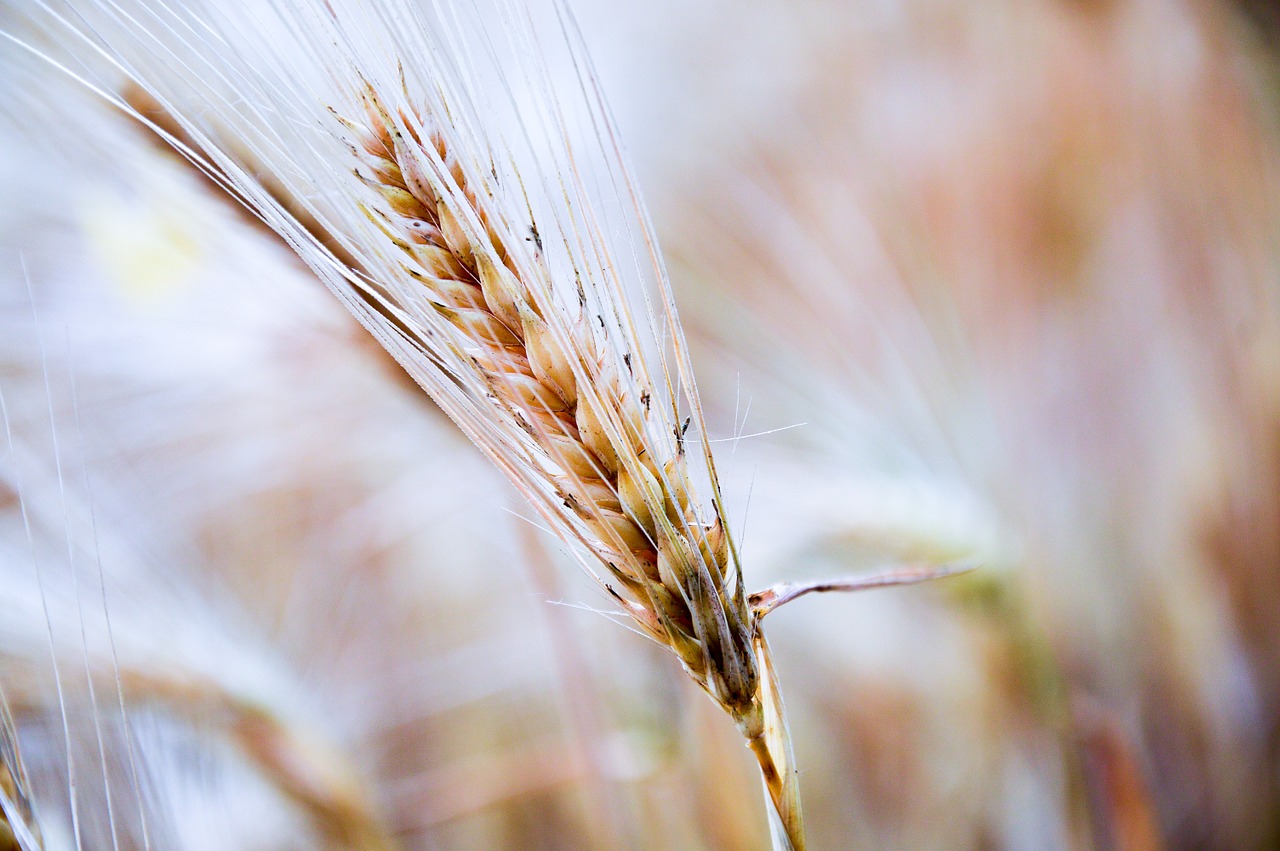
(301, 765)
(587, 419)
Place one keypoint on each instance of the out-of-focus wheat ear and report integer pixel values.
(314, 776)
(18, 826)
(199, 669)
(299, 763)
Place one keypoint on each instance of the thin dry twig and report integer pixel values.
(764, 602)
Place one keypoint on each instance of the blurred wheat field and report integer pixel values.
(988, 281)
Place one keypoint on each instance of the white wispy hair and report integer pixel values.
(99, 629)
(263, 93)
(115, 628)
(94, 633)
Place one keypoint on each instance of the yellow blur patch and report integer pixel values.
(145, 243)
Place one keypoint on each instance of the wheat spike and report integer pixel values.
(633, 497)
(588, 420)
